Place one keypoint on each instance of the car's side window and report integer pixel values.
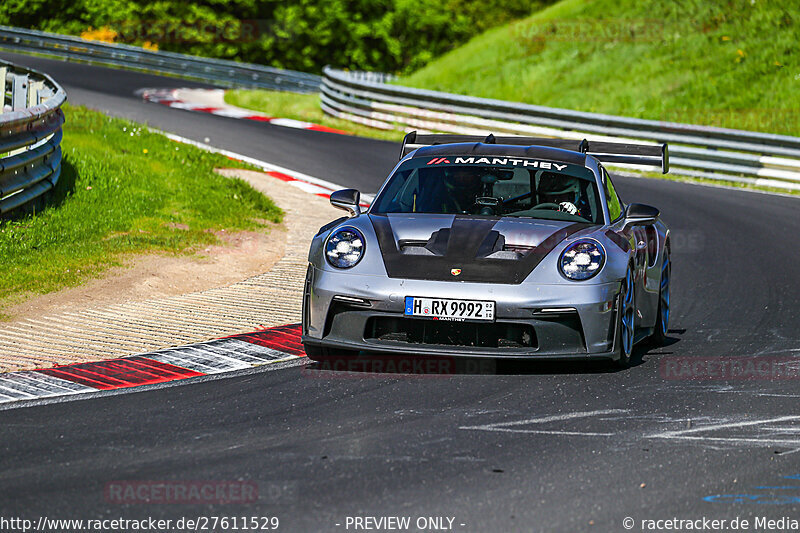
(614, 203)
(406, 197)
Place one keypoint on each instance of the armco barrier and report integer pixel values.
(724, 154)
(213, 71)
(366, 97)
(30, 135)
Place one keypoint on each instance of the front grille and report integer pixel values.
(434, 332)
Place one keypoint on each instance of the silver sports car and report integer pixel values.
(509, 247)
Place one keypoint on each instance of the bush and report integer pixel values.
(383, 35)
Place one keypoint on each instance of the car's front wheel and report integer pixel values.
(315, 353)
(319, 353)
(626, 314)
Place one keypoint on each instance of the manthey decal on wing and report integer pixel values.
(503, 161)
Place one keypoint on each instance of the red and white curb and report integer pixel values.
(239, 352)
(304, 182)
(212, 101)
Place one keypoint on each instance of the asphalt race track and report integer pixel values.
(510, 448)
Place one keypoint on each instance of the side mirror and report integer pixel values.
(347, 199)
(640, 215)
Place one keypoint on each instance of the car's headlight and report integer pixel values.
(582, 259)
(344, 247)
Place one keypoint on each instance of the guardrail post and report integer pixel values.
(19, 92)
(45, 93)
(35, 93)
(3, 71)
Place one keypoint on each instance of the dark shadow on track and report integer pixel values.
(443, 365)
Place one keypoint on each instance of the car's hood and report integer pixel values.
(465, 248)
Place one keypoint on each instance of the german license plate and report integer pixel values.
(448, 309)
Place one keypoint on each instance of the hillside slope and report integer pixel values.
(729, 63)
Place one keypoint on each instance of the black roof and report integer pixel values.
(483, 149)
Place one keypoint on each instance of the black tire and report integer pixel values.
(626, 321)
(319, 353)
(315, 353)
(659, 336)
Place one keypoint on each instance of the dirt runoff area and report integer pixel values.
(238, 256)
(249, 280)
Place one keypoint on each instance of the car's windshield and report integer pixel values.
(492, 186)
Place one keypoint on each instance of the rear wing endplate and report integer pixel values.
(630, 154)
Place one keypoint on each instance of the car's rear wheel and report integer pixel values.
(661, 328)
(626, 315)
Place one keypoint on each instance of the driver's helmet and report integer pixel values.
(556, 188)
(459, 177)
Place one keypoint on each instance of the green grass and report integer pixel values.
(731, 63)
(302, 107)
(123, 191)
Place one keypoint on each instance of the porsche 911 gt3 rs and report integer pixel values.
(492, 247)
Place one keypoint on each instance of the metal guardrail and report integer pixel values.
(215, 71)
(30, 135)
(700, 151)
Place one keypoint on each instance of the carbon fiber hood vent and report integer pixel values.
(435, 247)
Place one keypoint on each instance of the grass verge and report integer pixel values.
(733, 63)
(302, 107)
(123, 190)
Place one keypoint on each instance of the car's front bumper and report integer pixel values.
(565, 321)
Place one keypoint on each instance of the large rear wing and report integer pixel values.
(630, 154)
